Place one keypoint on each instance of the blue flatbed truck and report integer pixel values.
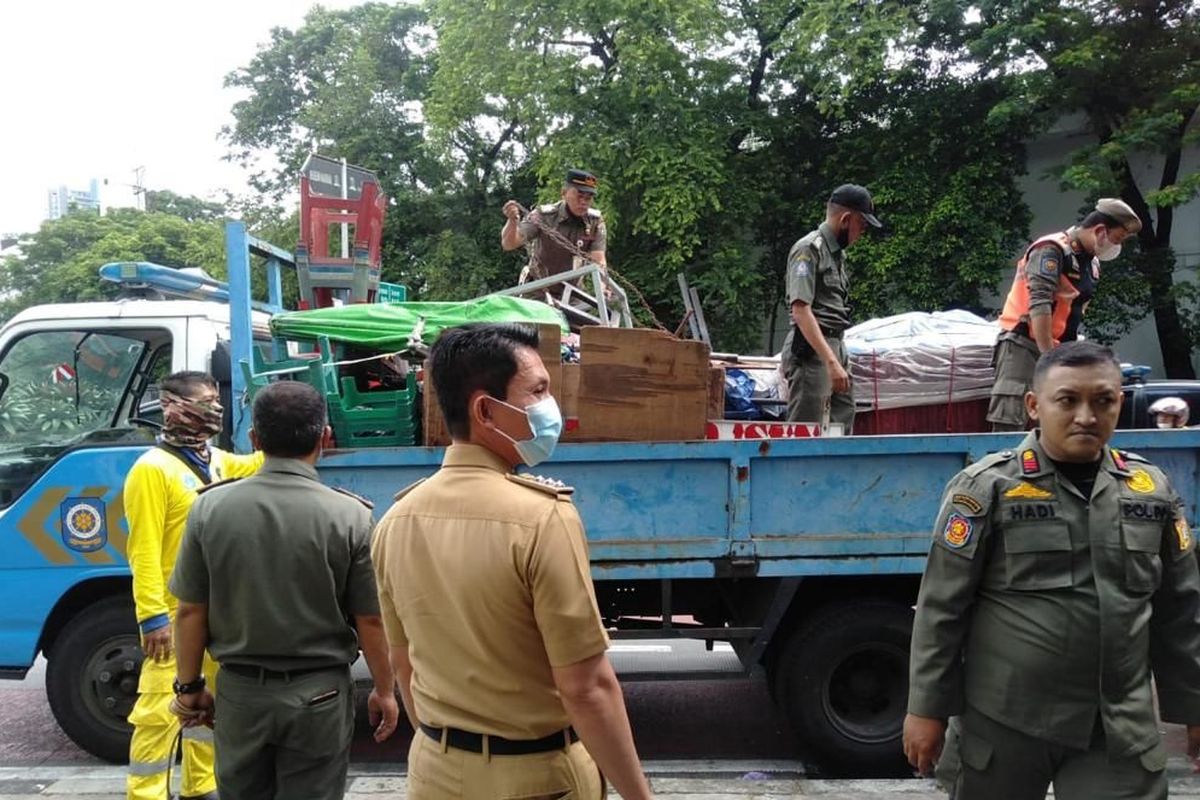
(804, 555)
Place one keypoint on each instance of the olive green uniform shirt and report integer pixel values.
(1046, 611)
(816, 276)
(548, 257)
(484, 576)
(282, 562)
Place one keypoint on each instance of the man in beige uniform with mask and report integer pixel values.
(487, 598)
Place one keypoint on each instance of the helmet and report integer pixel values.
(1170, 412)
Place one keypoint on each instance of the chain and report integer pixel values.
(576, 250)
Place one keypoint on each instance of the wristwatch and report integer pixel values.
(192, 687)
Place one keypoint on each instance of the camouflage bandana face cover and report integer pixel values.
(189, 424)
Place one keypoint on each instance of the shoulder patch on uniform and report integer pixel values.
(1027, 491)
(1183, 534)
(215, 484)
(1048, 265)
(351, 494)
(803, 268)
(408, 489)
(958, 531)
(1141, 482)
(543, 484)
(967, 503)
(988, 461)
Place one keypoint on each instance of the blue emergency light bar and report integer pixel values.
(171, 282)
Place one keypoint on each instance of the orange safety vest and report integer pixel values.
(1070, 299)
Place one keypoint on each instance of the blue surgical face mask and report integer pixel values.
(545, 423)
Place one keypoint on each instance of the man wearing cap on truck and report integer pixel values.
(1055, 280)
(814, 355)
(572, 216)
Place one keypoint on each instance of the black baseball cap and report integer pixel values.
(581, 180)
(853, 196)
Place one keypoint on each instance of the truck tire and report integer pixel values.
(842, 682)
(92, 677)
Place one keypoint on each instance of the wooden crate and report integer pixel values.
(641, 385)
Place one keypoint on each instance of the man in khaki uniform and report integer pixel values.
(275, 575)
(487, 598)
(814, 356)
(1060, 580)
(572, 216)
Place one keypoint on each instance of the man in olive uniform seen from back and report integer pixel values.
(275, 575)
(485, 589)
(815, 360)
(1060, 581)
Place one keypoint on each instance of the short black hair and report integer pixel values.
(186, 382)
(289, 419)
(1095, 218)
(1074, 354)
(473, 357)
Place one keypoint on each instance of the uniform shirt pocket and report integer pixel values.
(1143, 562)
(1038, 556)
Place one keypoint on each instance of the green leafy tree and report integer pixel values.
(59, 262)
(1130, 71)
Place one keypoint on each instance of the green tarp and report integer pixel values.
(388, 326)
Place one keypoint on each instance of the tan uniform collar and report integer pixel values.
(290, 466)
(473, 455)
(830, 236)
(1034, 462)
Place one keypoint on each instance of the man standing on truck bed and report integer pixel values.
(572, 217)
(1061, 579)
(159, 492)
(814, 355)
(1055, 280)
(486, 594)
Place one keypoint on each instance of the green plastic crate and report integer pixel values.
(374, 419)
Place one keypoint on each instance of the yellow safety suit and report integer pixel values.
(159, 492)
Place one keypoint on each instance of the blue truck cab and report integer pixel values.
(804, 555)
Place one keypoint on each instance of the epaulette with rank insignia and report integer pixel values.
(989, 461)
(594, 212)
(548, 208)
(408, 489)
(215, 484)
(357, 497)
(1128, 456)
(543, 484)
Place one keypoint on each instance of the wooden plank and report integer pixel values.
(639, 385)
(716, 393)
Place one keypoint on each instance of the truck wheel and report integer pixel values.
(842, 682)
(92, 677)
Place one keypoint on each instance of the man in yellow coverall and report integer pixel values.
(159, 492)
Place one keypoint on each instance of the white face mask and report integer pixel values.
(1107, 251)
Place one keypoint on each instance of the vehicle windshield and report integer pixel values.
(63, 388)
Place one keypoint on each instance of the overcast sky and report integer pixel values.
(95, 89)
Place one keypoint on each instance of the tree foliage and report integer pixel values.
(59, 262)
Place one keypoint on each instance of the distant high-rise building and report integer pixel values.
(62, 200)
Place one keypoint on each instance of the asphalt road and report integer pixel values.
(727, 719)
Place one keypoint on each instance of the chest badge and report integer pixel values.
(1027, 491)
(1140, 482)
(958, 531)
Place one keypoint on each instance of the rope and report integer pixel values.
(575, 250)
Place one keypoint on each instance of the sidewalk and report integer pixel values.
(672, 780)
